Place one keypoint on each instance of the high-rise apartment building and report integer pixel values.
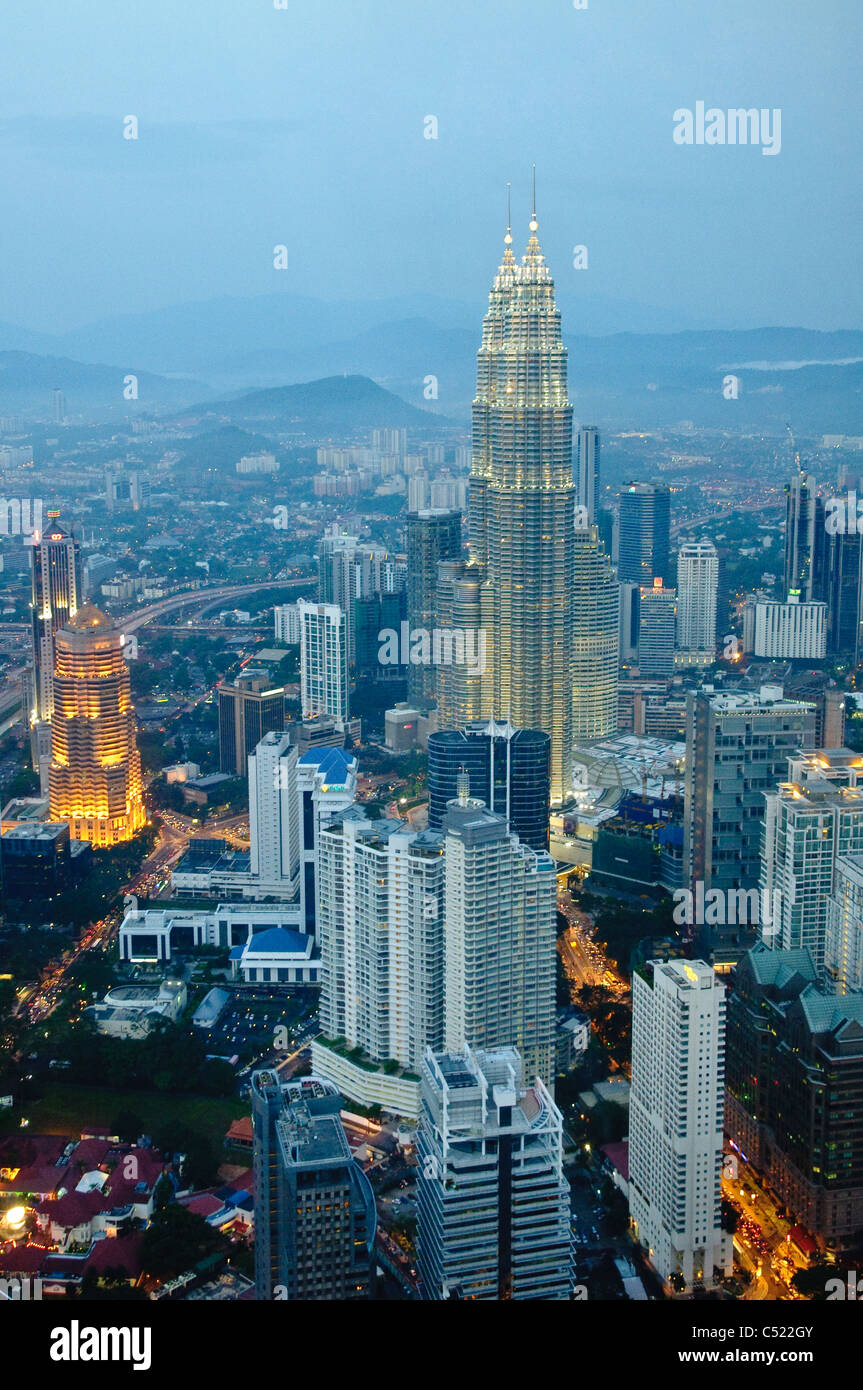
(327, 785)
(737, 748)
(595, 641)
(430, 536)
(697, 589)
(792, 631)
(657, 630)
(249, 707)
(508, 769)
(380, 924)
(675, 1121)
(500, 905)
(286, 620)
(522, 499)
(461, 687)
(349, 568)
(814, 816)
(315, 1216)
(493, 1201)
(324, 661)
(95, 778)
(795, 1076)
(395, 983)
(587, 482)
(843, 965)
(643, 538)
(275, 831)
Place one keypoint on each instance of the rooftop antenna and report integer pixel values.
(463, 787)
(533, 222)
(508, 238)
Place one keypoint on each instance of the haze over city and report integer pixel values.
(431, 671)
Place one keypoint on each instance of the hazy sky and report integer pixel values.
(304, 126)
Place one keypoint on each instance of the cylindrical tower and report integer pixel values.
(95, 765)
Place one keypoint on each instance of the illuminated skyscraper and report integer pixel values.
(522, 500)
(53, 601)
(95, 778)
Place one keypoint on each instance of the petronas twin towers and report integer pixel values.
(521, 583)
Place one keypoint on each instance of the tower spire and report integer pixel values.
(533, 222)
(508, 238)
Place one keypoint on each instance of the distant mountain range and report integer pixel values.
(336, 403)
(225, 347)
(28, 382)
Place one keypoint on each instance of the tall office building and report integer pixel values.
(595, 641)
(315, 1216)
(430, 536)
(675, 1120)
(493, 1202)
(274, 815)
(657, 630)
(501, 905)
(508, 769)
(644, 528)
(845, 595)
(249, 707)
(373, 615)
(324, 661)
(587, 484)
(794, 1078)
(814, 816)
(805, 540)
(95, 778)
(737, 748)
(54, 599)
(522, 499)
(380, 924)
(697, 589)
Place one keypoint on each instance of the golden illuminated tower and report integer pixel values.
(95, 765)
(522, 504)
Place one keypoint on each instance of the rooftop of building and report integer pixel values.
(45, 831)
(275, 941)
(332, 763)
(307, 1138)
(88, 617)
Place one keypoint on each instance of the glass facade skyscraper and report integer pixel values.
(507, 768)
(522, 500)
(645, 520)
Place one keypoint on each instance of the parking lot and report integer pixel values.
(248, 1026)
